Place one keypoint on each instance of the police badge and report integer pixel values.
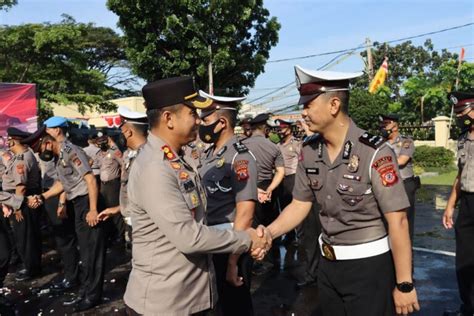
(353, 164)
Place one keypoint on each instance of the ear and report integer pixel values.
(167, 118)
(335, 105)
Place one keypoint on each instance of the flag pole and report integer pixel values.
(456, 86)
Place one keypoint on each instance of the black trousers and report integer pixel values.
(91, 250)
(464, 229)
(266, 213)
(110, 193)
(233, 300)
(27, 235)
(65, 238)
(5, 249)
(410, 188)
(357, 287)
(311, 227)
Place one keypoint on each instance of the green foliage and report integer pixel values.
(171, 38)
(364, 107)
(71, 62)
(428, 157)
(6, 4)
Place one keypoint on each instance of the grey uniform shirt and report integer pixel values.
(72, 166)
(49, 174)
(290, 152)
(466, 162)
(12, 200)
(404, 146)
(267, 154)
(22, 169)
(229, 176)
(128, 159)
(91, 151)
(355, 190)
(172, 271)
(110, 163)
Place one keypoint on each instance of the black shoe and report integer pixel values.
(64, 285)
(24, 275)
(73, 300)
(305, 283)
(85, 304)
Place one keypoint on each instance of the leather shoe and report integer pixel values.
(85, 304)
(305, 283)
(24, 275)
(73, 300)
(64, 285)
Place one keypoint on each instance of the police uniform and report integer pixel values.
(91, 151)
(72, 166)
(268, 157)
(355, 190)
(23, 170)
(404, 146)
(464, 226)
(172, 272)
(62, 228)
(194, 151)
(229, 176)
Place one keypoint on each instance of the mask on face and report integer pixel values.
(122, 140)
(207, 134)
(104, 147)
(47, 155)
(464, 122)
(386, 132)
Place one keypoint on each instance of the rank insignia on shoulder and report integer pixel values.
(19, 157)
(373, 141)
(241, 148)
(168, 152)
(67, 148)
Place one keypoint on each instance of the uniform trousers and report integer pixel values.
(65, 238)
(357, 287)
(5, 249)
(266, 213)
(233, 300)
(27, 235)
(464, 228)
(110, 193)
(91, 250)
(410, 188)
(311, 227)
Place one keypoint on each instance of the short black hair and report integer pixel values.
(343, 96)
(230, 115)
(142, 129)
(155, 114)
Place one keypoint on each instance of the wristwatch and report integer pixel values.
(61, 204)
(405, 287)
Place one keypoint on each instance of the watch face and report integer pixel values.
(405, 287)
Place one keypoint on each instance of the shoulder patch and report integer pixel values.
(373, 141)
(241, 148)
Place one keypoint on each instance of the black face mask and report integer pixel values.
(207, 134)
(464, 122)
(122, 141)
(386, 132)
(104, 147)
(47, 155)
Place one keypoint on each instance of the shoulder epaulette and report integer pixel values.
(312, 139)
(373, 141)
(241, 148)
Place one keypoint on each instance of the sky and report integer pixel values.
(307, 27)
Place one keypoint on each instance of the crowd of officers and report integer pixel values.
(199, 203)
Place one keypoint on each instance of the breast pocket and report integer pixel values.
(353, 195)
(315, 182)
(190, 194)
(217, 181)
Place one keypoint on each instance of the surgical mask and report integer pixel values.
(46, 155)
(207, 134)
(464, 122)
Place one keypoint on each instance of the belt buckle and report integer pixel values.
(328, 252)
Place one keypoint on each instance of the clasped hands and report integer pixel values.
(261, 242)
(34, 201)
(264, 196)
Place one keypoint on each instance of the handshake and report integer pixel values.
(261, 242)
(34, 201)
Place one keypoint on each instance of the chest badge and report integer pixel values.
(353, 164)
(220, 163)
(183, 175)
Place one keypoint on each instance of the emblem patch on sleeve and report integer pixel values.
(388, 175)
(241, 168)
(20, 169)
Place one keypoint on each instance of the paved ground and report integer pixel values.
(274, 293)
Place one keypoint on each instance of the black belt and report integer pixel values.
(105, 182)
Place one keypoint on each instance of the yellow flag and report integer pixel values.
(380, 77)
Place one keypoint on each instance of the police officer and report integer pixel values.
(23, 177)
(229, 176)
(60, 218)
(404, 148)
(463, 191)
(91, 151)
(77, 180)
(171, 270)
(134, 128)
(355, 178)
(246, 127)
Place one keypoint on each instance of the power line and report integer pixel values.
(356, 48)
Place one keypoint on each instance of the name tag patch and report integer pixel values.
(312, 170)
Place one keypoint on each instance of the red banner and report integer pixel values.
(18, 107)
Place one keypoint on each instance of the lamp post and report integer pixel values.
(190, 19)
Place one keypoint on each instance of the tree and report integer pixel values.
(72, 63)
(171, 38)
(364, 107)
(7, 4)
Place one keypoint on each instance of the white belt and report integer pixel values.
(223, 226)
(366, 250)
(128, 220)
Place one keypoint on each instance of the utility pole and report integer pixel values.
(370, 66)
(209, 70)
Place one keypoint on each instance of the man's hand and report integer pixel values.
(7, 210)
(91, 218)
(263, 196)
(232, 275)
(108, 212)
(61, 212)
(34, 201)
(405, 302)
(261, 242)
(19, 216)
(448, 222)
